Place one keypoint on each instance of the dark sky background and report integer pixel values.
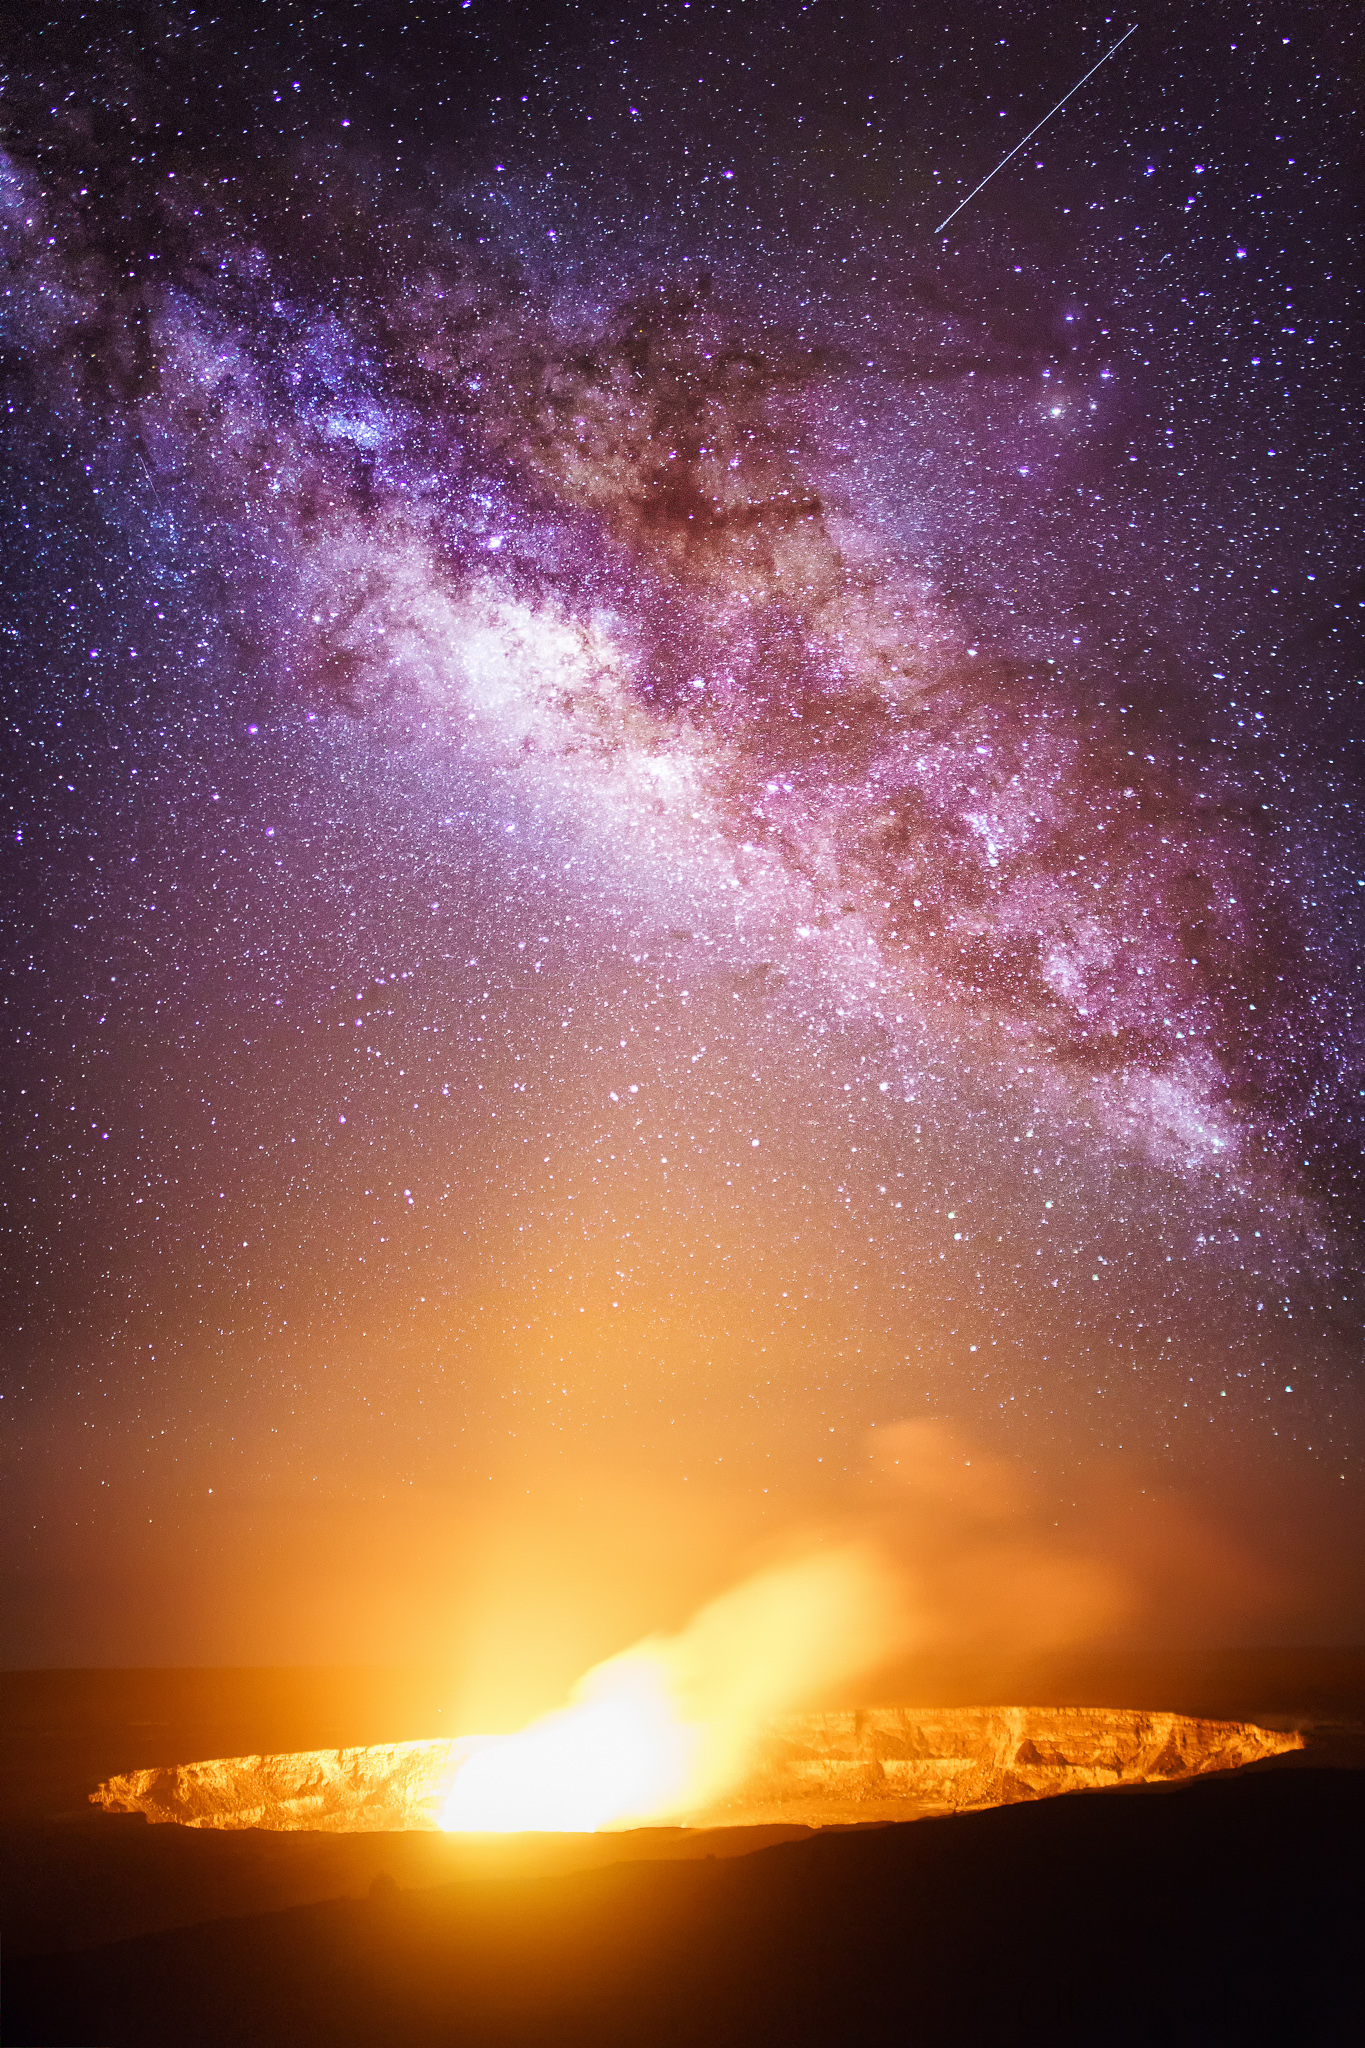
(659, 828)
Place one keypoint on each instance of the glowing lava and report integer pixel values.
(618, 1754)
(669, 1726)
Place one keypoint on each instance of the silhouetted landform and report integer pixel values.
(1222, 1912)
(73, 1877)
(61, 1732)
(100, 1879)
(888, 1763)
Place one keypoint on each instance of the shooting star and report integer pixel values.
(1041, 124)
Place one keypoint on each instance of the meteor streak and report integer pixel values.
(1033, 131)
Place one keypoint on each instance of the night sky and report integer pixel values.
(666, 839)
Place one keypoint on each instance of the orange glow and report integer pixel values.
(666, 1728)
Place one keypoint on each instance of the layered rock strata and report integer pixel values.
(389, 1787)
(892, 1763)
(883, 1763)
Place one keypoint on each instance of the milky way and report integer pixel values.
(655, 817)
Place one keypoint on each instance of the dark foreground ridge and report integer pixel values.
(1227, 1911)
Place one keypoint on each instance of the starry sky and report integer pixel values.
(681, 861)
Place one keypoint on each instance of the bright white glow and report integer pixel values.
(615, 1757)
(668, 1727)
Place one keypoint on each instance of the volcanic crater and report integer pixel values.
(810, 1769)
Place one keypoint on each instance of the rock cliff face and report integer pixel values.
(391, 1786)
(883, 1763)
(892, 1763)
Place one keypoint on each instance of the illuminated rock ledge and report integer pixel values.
(892, 1763)
(391, 1786)
(884, 1763)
